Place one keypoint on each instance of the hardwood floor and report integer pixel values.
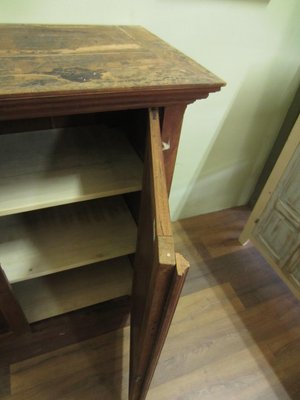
(235, 334)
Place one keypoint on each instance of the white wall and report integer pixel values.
(252, 44)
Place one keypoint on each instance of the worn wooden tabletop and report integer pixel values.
(120, 63)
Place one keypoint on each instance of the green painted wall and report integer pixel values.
(251, 44)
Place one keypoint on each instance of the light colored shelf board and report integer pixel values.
(59, 166)
(59, 293)
(59, 238)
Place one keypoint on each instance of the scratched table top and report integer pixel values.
(117, 64)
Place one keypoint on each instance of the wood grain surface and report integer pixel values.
(70, 290)
(56, 70)
(59, 238)
(52, 167)
(158, 280)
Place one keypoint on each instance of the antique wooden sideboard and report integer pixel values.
(90, 120)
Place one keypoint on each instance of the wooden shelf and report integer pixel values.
(59, 166)
(59, 238)
(59, 293)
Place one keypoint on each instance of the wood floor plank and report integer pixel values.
(209, 354)
(235, 377)
(211, 235)
(235, 335)
(99, 366)
(4, 380)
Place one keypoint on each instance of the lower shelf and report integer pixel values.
(47, 241)
(67, 291)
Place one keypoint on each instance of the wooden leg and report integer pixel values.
(10, 308)
(170, 134)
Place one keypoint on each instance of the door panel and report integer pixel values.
(10, 308)
(296, 275)
(278, 226)
(278, 235)
(159, 272)
(294, 268)
(274, 224)
(290, 191)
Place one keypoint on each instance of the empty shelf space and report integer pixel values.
(59, 238)
(59, 166)
(59, 293)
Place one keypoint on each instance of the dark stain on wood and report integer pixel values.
(36, 83)
(76, 74)
(59, 70)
